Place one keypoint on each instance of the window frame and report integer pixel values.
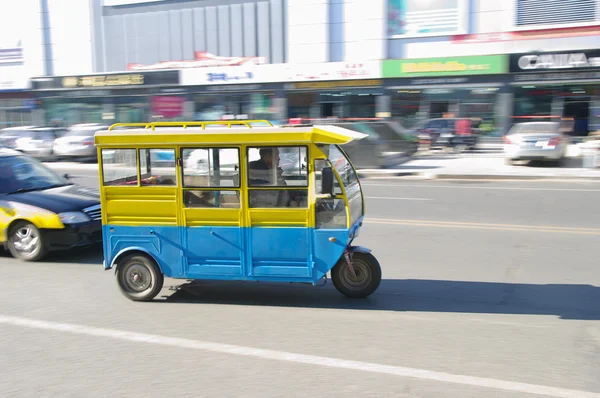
(184, 188)
(137, 166)
(247, 168)
(149, 162)
(250, 188)
(220, 188)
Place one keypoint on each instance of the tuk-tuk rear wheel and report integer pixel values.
(139, 277)
(367, 280)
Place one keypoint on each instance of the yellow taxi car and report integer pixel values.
(41, 211)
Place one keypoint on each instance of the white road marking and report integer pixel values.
(297, 358)
(393, 198)
(468, 187)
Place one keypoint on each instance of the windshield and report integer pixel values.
(349, 178)
(24, 174)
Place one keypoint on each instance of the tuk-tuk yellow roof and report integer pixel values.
(203, 133)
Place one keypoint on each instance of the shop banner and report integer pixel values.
(233, 75)
(333, 71)
(167, 106)
(560, 60)
(201, 60)
(11, 55)
(110, 80)
(413, 18)
(524, 35)
(449, 66)
(13, 77)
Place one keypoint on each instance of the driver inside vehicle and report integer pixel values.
(266, 172)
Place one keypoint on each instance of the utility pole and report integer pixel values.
(46, 39)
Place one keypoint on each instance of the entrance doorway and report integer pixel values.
(579, 110)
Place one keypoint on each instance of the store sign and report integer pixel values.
(201, 60)
(334, 71)
(106, 81)
(450, 66)
(552, 61)
(233, 75)
(11, 55)
(562, 76)
(167, 106)
(336, 84)
(13, 77)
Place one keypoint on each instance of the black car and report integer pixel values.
(41, 211)
(387, 144)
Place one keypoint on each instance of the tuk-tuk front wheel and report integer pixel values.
(365, 279)
(139, 277)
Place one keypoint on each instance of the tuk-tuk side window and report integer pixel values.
(211, 167)
(205, 168)
(157, 167)
(278, 167)
(119, 167)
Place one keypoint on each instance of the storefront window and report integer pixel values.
(219, 106)
(412, 106)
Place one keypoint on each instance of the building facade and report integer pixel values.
(410, 60)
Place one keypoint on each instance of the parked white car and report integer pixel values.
(535, 141)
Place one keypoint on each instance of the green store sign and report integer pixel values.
(449, 66)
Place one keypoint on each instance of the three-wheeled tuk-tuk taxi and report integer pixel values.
(231, 200)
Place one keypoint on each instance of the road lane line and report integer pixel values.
(394, 198)
(297, 358)
(366, 185)
(495, 227)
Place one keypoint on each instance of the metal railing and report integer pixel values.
(228, 123)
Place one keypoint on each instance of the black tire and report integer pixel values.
(25, 242)
(368, 272)
(145, 268)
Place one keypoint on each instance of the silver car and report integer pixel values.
(535, 141)
(78, 142)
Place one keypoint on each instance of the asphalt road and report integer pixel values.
(490, 290)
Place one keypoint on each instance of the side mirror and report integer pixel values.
(327, 181)
(67, 176)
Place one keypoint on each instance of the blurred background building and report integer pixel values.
(411, 60)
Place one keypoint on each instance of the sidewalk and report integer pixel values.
(484, 165)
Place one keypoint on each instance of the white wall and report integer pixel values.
(20, 21)
(493, 16)
(364, 30)
(71, 35)
(307, 31)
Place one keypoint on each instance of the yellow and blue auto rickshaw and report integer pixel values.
(231, 200)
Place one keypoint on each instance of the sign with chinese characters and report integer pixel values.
(414, 18)
(562, 60)
(232, 75)
(103, 81)
(201, 60)
(449, 66)
(111, 80)
(167, 106)
(336, 84)
(11, 55)
(334, 71)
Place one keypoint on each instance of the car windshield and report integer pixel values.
(25, 174)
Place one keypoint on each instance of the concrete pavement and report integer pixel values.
(465, 302)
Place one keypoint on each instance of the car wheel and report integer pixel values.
(366, 279)
(139, 277)
(25, 242)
